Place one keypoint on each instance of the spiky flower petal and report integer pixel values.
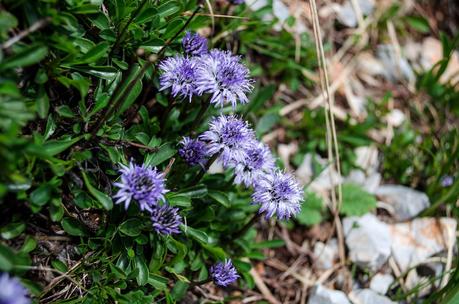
(12, 291)
(229, 136)
(278, 193)
(259, 161)
(179, 75)
(193, 151)
(223, 273)
(194, 44)
(222, 75)
(166, 219)
(144, 184)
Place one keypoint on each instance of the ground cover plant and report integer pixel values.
(112, 113)
(183, 151)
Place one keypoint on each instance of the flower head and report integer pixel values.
(194, 44)
(144, 184)
(229, 136)
(258, 162)
(224, 76)
(193, 151)
(166, 219)
(12, 291)
(223, 273)
(278, 193)
(179, 74)
(446, 181)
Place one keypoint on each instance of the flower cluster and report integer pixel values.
(223, 273)
(234, 143)
(146, 186)
(218, 73)
(12, 291)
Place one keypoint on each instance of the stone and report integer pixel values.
(325, 254)
(381, 282)
(322, 295)
(368, 240)
(369, 183)
(417, 240)
(368, 296)
(367, 158)
(407, 202)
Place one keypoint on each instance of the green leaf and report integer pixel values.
(157, 281)
(59, 265)
(196, 234)
(131, 227)
(27, 56)
(41, 195)
(6, 258)
(168, 8)
(418, 23)
(220, 197)
(95, 53)
(266, 123)
(29, 245)
(54, 147)
(356, 201)
(73, 227)
(165, 152)
(179, 290)
(12, 230)
(181, 200)
(311, 210)
(101, 197)
(269, 244)
(197, 191)
(143, 272)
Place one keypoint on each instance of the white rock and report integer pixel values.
(322, 295)
(327, 179)
(367, 158)
(397, 67)
(368, 183)
(305, 171)
(381, 282)
(415, 241)
(406, 201)
(368, 240)
(395, 117)
(347, 15)
(216, 167)
(325, 254)
(368, 296)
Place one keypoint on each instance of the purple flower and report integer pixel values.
(179, 74)
(229, 136)
(259, 161)
(194, 44)
(12, 291)
(166, 219)
(223, 75)
(278, 193)
(193, 151)
(446, 181)
(144, 184)
(223, 273)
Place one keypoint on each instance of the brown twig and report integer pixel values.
(33, 28)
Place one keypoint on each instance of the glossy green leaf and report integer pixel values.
(101, 197)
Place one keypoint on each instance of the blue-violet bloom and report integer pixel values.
(144, 184)
(222, 75)
(258, 162)
(194, 44)
(446, 181)
(223, 273)
(193, 151)
(166, 219)
(229, 136)
(12, 291)
(278, 193)
(179, 75)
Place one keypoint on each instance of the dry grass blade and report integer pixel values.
(332, 141)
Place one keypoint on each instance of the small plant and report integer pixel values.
(95, 107)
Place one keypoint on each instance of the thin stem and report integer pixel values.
(34, 27)
(205, 169)
(246, 227)
(194, 283)
(131, 18)
(203, 109)
(152, 59)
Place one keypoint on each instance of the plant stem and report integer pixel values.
(205, 169)
(203, 109)
(246, 227)
(131, 18)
